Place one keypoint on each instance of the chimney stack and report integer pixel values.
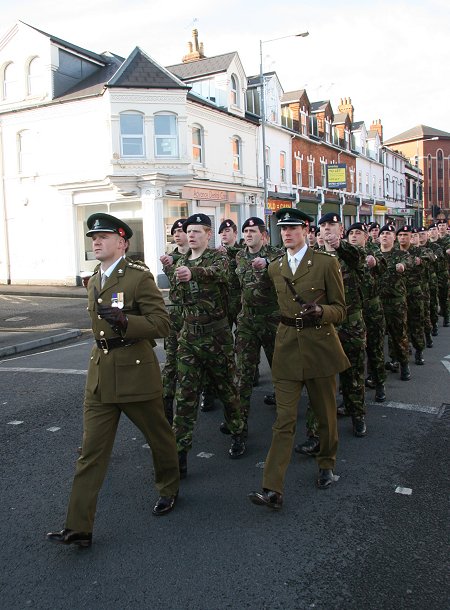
(377, 126)
(195, 50)
(347, 107)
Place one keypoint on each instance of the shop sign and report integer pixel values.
(275, 204)
(207, 194)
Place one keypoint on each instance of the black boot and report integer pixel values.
(206, 402)
(391, 366)
(405, 373)
(237, 446)
(419, 357)
(435, 331)
(310, 447)
(359, 425)
(446, 322)
(380, 394)
(256, 378)
(168, 409)
(428, 339)
(370, 382)
(182, 464)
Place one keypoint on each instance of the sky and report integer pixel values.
(392, 58)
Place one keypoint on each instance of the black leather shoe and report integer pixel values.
(224, 428)
(380, 393)
(237, 446)
(435, 330)
(359, 425)
(405, 373)
(325, 478)
(182, 464)
(419, 357)
(310, 447)
(266, 497)
(392, 366)
(446, 323)
(164, 505)
(269, 399)
(206, 402)
(66, 536)
(342, 411)
(428, 340)
(370, 382)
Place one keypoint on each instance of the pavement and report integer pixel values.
(16, 341)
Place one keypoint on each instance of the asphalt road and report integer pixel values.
(358, 545)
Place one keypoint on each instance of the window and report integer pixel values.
(197, 144)
(287, 118)
(327, 131)
(35, 80)
(132, 134)
(298, 171)
(25, 147)
(283, 166)
(380, 188)
(303, 124)
(253, 101)
(234, 90)
(313, 128)
(367, 185)
(401, 193)
(347, 139)
(359, 181)
(267, 162)
(311, 173)
(9, 81)
(206, 89)
(352, 180)
(323, 173)
(166, 137)
(236, 150)
(374, 187)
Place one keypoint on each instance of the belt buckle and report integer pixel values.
(104, 345)
(297, 325)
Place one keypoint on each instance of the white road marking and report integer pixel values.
(406, 491)
(13, 299)
(446, 364)
(15, 423)
(146, 446)
(47, 351)
(53, 429)
(17, 319)
(447, 357)
(409, 407)
(202, 454)
(17, 369)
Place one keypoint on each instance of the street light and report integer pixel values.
(420, 207)
(263, 109)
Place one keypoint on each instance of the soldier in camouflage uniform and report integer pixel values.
(352, 333)
(205, 343)
(414, 277)
(373, 314)
(443, 278)
(175, 314)
(258, 319)
(428, 260)
(228, 234)
(433, 236)
(374, 233)
(393, 298)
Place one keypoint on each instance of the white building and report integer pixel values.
(82, 132)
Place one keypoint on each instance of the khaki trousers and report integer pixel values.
(322, 397)
(100, 421)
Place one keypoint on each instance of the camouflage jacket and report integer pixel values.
(440, 264)
(256, 287)
(203, 298)
(372, 275)
(352, 260)
(392, 282)
(169, 270)
(417, 275)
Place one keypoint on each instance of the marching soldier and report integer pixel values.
(307, 353)
(443, 278)
(128, 314)
(205, 343)
(175, 314)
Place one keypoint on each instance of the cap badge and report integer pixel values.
(287, 216)
(309, 263)
(251, 222)
(227, 224)
(335, 219)
(121, 232)
(198, 219)
(96, 224)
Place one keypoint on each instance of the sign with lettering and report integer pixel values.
(337, 176)
(201, 194)
(276, 204)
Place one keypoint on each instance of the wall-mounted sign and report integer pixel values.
(201, 194)
(276, 204)
(337, 176)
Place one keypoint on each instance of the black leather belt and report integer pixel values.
(299, 323)
(108, 344)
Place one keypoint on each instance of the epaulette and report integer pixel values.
(136, 266)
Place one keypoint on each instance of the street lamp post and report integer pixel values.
(262, 93)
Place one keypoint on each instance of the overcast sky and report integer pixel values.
(391, 57)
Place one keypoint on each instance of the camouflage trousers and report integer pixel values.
(434, 303)
(375, 332)
(427, 326)
(213, 354)
(443, 285)
(252, 333)
(234, 307)
(414, 306)
(397, 328)
(352, 335)
(169, 374)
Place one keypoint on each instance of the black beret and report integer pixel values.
(105, 223)
(404, 229)
(312, 228)
(433, 225)
(421, 229)
(317, 230)
(197, 219)
(330, 217)
(253, 221)
(357, 225)
(387, 228)
(414, 230)
(292, 217)
(226, 224)
(178, 224)
(374, 225)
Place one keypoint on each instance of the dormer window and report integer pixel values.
(132, 134)
(35, 77)
(234, 91)
(9, 81)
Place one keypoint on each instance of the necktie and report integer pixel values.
(293, 265)
(103, 280)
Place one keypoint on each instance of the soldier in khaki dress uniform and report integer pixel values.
(128, 314)
(307, 352)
